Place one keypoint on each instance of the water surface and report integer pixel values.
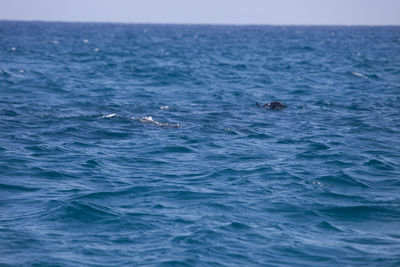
(142, 145)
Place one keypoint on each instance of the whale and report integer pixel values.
(275, 105)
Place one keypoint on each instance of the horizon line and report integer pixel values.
(201, 23)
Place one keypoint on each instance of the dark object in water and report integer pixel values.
(273, 105)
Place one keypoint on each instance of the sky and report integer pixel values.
(303, 12)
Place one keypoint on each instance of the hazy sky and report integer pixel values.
(360, 12)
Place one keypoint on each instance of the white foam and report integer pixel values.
(86, 41)
(13, 49)
(165, 107)
(357, 74)
(109, 116)
(149, 119)
(96, 50)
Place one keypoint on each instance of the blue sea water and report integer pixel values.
(141, 145)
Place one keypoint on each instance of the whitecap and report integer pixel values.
(86, 41)
(165, 107)
(150, 120)
(357, 74)
(96, 50)
(108, 116)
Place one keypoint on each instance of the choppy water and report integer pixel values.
(142, 145)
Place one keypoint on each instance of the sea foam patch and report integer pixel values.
(150, 120)
(109, 116)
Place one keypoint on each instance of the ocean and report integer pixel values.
(142, 145)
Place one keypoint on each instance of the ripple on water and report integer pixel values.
(343, 181)
(80, 212)
(360, 213)
(315, 146)
(326, 226)
(13, 188)
(379, 165)
(172, 149)
(133, 190)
